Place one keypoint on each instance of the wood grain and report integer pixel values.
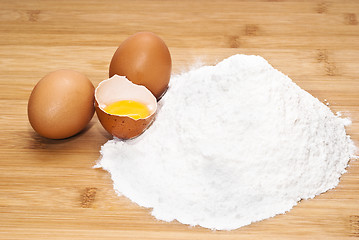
(48, 188)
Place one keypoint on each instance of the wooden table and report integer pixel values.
(48, 188)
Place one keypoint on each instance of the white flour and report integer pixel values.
(232, 144)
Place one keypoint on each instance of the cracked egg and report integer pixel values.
(124, 109)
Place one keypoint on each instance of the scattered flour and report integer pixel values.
(232, 144)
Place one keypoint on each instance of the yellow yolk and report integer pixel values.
(128, 108)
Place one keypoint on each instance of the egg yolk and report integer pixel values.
(128, 108)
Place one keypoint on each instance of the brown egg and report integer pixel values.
(119, 88)
(61, 104)
(145, 60)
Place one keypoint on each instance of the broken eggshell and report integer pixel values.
(119, 88)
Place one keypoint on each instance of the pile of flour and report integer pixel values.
(232, 144)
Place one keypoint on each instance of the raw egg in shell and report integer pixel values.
(124, 109)
(61, 104)
(145, 60)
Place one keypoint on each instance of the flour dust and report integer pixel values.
(232, 144)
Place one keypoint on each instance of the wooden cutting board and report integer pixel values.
(48, 188)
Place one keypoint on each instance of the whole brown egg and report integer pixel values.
(145, 60)
(61, 104)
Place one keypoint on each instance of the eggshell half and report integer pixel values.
(119, 88)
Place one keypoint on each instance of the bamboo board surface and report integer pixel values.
(48, 188)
